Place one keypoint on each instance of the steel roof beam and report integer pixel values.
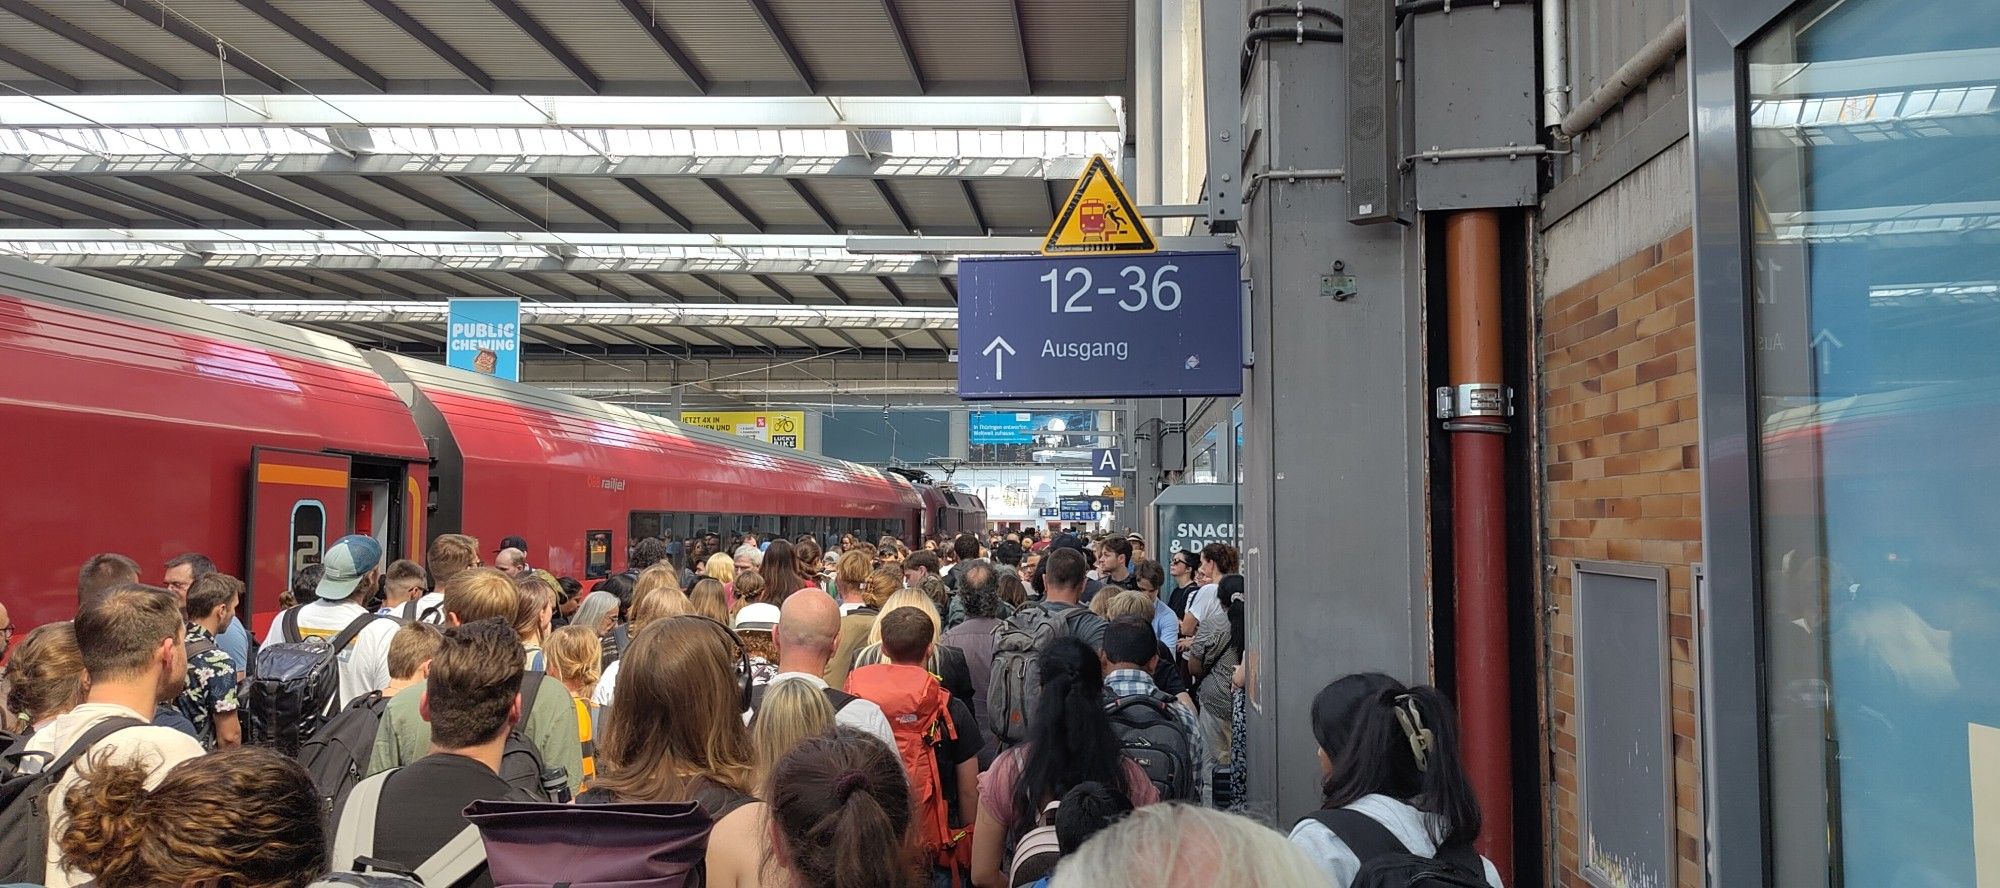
(21, 188)
(903, 44)
(889, 283)
(431, 41)
(549, 44)
(32, 215)
(106, 194)
(317, 42)
(972, 203)
(649, 23)
(736, 204)
(185, 195)
(835, 288)
(859, 113)
(1021, 43)
(571, 166)
(171, 22)
(776, 30)
(498, 200)
(273, 200)
(388, 256)
(411, 193)
(540, 313)
(576, 200)
(813, 203)
(321, 188)
(658, 203)
(709, 281)
(895, 206)
(538, 350)
(55, 24)
(55, 76)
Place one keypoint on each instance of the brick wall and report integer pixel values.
(1622, 483)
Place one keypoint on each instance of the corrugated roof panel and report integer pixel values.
(606, 37)
(144, 39)
(772, 200)
(616, 200)
(16, 33)
(700, 205)
(12, 205)
(11, 74)
(844, 40)
(805, 288)
(250, 34)
(732, 336)
(489, 39)
(461, 199)
(389, 201)
(924, 289)
(748, 288)
(1013, 204)
(373, 40)
(1076, 42)
(290, 195)
(690, 288)
(821, 338)
(966, 40)
(867, 290)
(934, 203)
(726, 39)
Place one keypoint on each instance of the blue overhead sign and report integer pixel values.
(1104, 463)
(484, 336)
(1002, 428)
(1164, 325)
(1083, 508)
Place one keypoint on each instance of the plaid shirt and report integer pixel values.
(1123, 683)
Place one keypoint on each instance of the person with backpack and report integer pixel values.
(405, 815)
(243, 817)
(1019, 641)
(403, 586)
(44, 679)
(841, 815)
(352, 568)
(1070, 741)
(1153, 728)
(210, 700)
(1398, 808)
(337, 754)
(1084, 812)
(979, 601)
(131, 642)
(934, 735)
(675, 734)
(544, 740)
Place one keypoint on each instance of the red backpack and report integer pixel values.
(919, 712)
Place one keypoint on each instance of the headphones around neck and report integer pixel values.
(742, 657)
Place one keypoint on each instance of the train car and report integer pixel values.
(143, 424)
(581, 480)
(963, 512)
(945, 512)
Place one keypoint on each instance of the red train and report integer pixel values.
(140, 423)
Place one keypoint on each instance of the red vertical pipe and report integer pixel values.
(1479, 527)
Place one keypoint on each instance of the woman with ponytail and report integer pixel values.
(243, 817)
(1389, 752)
(1070, 742)
(841, 810)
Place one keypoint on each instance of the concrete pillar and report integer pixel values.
(961, 434)
(1334, 431)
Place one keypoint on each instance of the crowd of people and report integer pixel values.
(1019, 709)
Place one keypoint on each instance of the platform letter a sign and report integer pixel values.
(1104, 463)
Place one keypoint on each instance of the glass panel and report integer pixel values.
(1875, 214)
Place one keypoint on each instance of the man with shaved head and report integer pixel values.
(808, 627)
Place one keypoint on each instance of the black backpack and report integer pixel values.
(26, 779)
(337, 754)
(1151, 734)
(295, 685)
(1386, 863)
(521, 762)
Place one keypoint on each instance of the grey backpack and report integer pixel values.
(354, 846)
(1013, 686)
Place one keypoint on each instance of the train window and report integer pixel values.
(894, 527)
(645, 524)
(706, 523)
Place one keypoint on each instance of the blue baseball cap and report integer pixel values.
(348, 560)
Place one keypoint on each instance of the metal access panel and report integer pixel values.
(1474, 89)
(1624, 725)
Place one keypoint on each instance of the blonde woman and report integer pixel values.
(575, 657)
(657, 596)
(721, 567)
(948, 663)
(792, 712)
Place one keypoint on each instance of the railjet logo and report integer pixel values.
(615, 485)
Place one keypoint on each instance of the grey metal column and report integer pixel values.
(960, 430)
(1334, 435)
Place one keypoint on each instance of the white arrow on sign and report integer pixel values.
(998, 343)
(1825, 343)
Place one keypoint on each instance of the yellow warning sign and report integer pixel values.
(1099, 217)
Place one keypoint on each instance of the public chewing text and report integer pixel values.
(1084, 351)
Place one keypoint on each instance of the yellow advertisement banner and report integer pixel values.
(785, 428)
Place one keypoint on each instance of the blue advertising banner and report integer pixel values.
(1164, 325)
(1002, 428)
(484, 336)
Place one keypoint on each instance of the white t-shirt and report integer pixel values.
(1404, 821)
(607, 684)
(1206, 603)
(430, 609)
(364, 663)
(162, 748)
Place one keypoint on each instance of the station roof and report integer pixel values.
(366, 157)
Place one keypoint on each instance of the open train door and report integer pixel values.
(298, 505)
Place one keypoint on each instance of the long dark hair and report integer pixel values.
(1371, 726)
(1232, 593)
(781, 572)
(843, 807)
(1070, 740)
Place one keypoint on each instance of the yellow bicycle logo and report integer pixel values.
(783, 424)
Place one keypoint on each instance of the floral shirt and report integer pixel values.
(211, 684)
